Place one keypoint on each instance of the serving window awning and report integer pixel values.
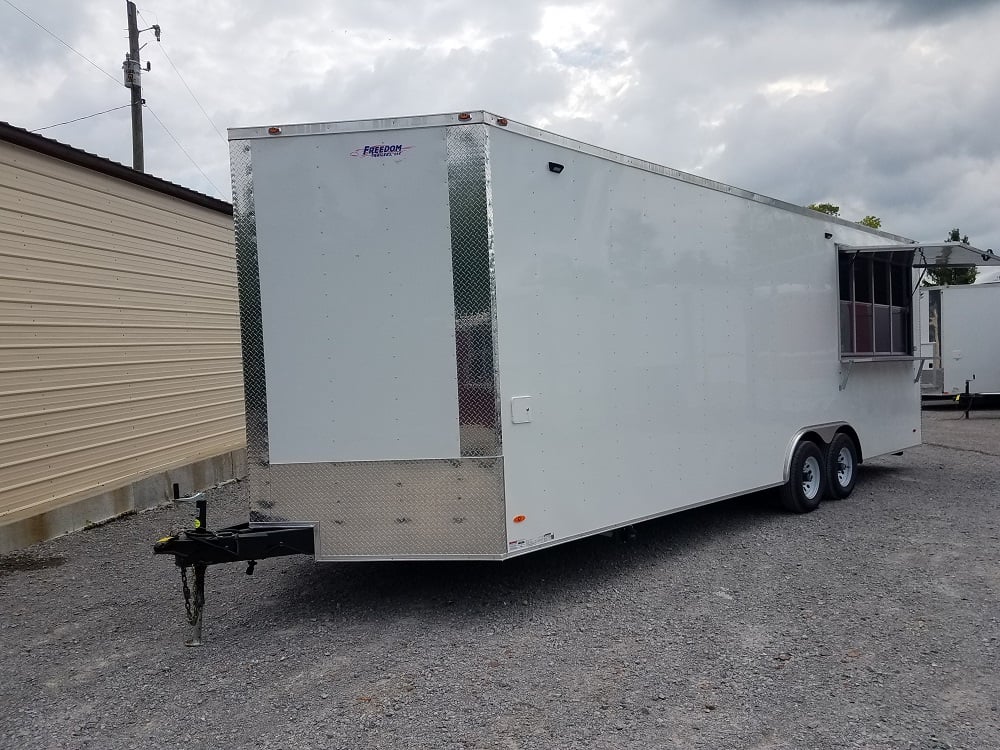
(933, 255)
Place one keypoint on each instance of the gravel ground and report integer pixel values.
(871, 623)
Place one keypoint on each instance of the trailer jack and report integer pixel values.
(198, 548)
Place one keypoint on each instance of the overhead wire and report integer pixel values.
(178, 72)
(78, 119)
(167, 131)
(205, 113)
(62, 42)
(116, 81)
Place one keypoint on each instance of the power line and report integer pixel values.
(210, 121)
(217, 191)
(65, 44)
(116, 81)
(164, 51)
(85, 117)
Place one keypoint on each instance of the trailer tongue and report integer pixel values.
(197, 548)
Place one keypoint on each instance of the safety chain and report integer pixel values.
(192, 618)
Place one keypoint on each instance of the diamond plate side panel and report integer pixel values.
(474, 283)
(391, 509)
(251, 328)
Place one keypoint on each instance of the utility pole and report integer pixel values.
(133, 71)
(133, 81)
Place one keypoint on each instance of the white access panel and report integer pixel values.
(673, 339)
(970, 338)
(354, 254)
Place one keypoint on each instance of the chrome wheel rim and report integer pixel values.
(810, 478)
(845, 467)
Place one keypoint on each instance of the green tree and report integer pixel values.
(946, 276)
(831, 209)
(956, 236)
(825, 208)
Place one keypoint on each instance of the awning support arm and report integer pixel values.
(845, 372)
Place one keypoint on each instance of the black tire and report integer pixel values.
(806, 479)
(841, 467)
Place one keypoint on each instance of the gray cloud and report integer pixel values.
(883, 106)
(931, 11)
(892, 13)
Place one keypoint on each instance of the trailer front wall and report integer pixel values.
(368, 350)
(357, 307)
(671, 340)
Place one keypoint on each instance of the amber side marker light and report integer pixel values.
(519, 519)
(465, 116)
(273, 131)
(502, 122)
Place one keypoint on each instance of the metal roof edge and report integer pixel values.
(57, 150)
(481, 116)
(687, 177)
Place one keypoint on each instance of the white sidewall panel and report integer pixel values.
(970, 338)
(673, 339)
(354, 253)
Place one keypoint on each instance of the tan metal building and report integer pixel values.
(120, 369)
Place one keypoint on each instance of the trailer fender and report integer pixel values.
(821, 434)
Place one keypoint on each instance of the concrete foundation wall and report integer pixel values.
(158, 489)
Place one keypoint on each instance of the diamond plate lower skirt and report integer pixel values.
(389, 509)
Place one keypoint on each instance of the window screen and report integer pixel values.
(876, 304)
(862, 267)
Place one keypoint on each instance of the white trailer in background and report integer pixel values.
(466, 338)
(961, 325)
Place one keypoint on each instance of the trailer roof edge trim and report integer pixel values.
(932, 255)
(474, 117)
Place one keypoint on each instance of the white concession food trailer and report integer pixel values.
(467, 338)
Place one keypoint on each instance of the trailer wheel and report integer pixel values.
(841, 467)
(806, 479)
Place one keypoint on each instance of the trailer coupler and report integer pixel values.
(199, 547)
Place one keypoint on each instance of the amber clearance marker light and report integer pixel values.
(502, 121)
(273, 131)
(518, 519)
(465, 116)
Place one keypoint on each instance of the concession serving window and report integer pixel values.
(876, 293)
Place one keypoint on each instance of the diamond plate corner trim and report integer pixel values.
(378, 510)
(251, 330)
(474, 282)
(497, 411)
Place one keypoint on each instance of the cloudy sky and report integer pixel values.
(885, 107)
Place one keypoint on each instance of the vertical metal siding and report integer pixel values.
(119, 333)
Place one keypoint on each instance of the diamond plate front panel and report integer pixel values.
(395, 509)
(475, 289)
